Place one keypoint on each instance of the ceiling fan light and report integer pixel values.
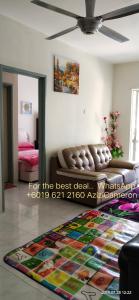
(90, 25)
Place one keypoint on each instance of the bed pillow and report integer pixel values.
(25, 146)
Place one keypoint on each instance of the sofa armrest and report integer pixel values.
(129, 266)
(130, 251)
(82, 174)
(132, 165)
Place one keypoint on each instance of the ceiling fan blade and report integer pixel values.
(120, 13)
(62, 33)
(90, 7)
(113, 34)
(54, 8)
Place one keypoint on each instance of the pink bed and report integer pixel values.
(28, 159)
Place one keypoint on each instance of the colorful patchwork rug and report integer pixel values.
(126, 207)
(79, 259)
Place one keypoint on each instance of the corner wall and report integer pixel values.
(70, 119)
(126, 78)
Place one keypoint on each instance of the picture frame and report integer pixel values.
(66, 75)
(26, 108)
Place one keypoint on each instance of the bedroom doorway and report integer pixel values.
(8, 134)
(28, 135)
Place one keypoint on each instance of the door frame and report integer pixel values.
(42, 80)
(9, 88)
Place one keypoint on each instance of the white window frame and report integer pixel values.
(133, 139)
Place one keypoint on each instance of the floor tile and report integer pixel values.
(25, 219)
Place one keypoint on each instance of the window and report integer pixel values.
(134, 133)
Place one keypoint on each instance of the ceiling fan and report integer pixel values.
(91, 24)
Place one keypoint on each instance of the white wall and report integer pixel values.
(70, 119)
(126, 78)
(28, 92)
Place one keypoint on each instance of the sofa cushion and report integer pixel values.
(101, 155)
(128, 175)
(78, 158)
(82, 174)
(113, 178)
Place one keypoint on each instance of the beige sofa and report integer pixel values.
(88, 174)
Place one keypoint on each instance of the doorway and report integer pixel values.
(27, 123)
(4, 109)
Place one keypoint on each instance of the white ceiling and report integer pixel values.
(49, 23)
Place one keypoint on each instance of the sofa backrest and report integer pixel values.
(101, 155)
(76, 158)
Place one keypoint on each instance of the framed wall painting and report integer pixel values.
(26, 108)
(66, 75)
